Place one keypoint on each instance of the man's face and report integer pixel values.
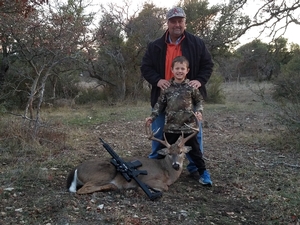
(176, 26)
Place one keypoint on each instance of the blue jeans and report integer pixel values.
(159, 123)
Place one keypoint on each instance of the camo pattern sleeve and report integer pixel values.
(160, 106)
(179, 101)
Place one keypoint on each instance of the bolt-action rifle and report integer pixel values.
(129, 171)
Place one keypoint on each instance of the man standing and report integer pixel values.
(156, 69)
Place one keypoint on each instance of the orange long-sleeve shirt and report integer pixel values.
(173, 50)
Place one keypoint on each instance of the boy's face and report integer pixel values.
(180, 71)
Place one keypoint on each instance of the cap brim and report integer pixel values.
(176, 16)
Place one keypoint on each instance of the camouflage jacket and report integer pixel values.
(178, 101)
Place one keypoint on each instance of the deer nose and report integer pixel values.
(175, 166)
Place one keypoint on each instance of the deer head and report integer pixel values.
(172, 150)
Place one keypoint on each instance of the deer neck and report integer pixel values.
(166, 165)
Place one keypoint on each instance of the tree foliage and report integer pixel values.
(121, 40)
(8, 8)
(44, 45)
(23, 7)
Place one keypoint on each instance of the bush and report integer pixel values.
(2, 109)
(215, 92)
(286, 93)
(90, 96)
(286, 88)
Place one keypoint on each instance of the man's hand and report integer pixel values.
(148, 121)
(163, 84)
(195, 84)
(199, 116)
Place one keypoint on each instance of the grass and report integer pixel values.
(95, 114)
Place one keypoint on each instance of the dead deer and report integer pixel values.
(101, 175)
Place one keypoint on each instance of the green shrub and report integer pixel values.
(90, 96)
(286, 88)
(286, 94)
(2, 109)
(215, 92)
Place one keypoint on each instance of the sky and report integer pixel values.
(292, 33)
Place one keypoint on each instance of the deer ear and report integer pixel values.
(187, 149)
(163, 151)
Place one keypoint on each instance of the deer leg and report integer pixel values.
(91, 187)
(159, 185)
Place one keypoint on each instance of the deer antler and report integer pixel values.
(183, 140)
(196, 130)
(151, 137)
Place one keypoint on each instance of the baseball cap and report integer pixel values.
(175, 12)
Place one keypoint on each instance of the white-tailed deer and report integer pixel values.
(101, 175)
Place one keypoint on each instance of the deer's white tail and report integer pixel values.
(73, 185)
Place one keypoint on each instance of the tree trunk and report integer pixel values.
(4, 66)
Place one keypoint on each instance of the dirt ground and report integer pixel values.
(253, 183)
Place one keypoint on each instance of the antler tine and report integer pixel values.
(196, 130)
(193, 128)
(151, 137)
(184, 140)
